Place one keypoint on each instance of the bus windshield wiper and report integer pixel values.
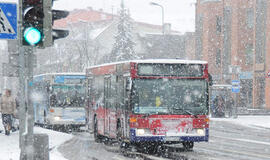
(187, 111)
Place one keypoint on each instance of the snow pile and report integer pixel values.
(9, 148)
(249, 121)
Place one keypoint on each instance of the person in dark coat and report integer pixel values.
(221, 107)
(214, 107)
(230, 105)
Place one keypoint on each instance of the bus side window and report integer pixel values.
(107, 91)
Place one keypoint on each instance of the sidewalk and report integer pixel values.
(9, 148)
(253, 111)
(258, 122)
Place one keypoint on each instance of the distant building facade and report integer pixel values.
(92, 35)
(233, 35)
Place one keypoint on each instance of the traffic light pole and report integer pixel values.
(22, 108)
(39, 33)
(30, 110)
(26, 109)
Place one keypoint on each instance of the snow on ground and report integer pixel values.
(9, 145)
(249, 121)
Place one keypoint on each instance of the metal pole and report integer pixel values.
(235, 105)
(162, 19)
(162, 12)
(22, 109)
(236, 94)
(30, 109)
(26, 109)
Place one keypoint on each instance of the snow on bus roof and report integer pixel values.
(166, 61)
(63, 73)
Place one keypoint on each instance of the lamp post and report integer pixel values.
(156, 4)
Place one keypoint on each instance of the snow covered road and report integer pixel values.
(244, 138)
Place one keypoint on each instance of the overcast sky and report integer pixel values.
(180, 13)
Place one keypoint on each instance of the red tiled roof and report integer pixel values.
(150, 25)
(86, 15)
(90, 15)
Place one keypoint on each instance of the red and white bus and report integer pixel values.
(149, 101)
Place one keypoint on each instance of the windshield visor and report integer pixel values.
(170, 96)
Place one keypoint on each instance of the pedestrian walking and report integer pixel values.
(214, 107)
(230, 106)
(8, 109)
(221, 107)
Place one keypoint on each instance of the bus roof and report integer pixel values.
(163, 61)
(64, 73)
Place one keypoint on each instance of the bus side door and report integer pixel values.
(89, 104)
(110, 106)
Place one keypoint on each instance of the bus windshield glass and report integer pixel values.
(67, 96)
(170, 96)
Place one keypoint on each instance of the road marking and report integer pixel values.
(260, 155)
(244, 140)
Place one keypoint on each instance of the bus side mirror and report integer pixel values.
(128, 84)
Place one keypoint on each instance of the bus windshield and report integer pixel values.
(67, 96)
(170, 96)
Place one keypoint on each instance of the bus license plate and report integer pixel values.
(167, 138)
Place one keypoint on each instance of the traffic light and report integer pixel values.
(51, 15)
(38, 18)
(33, 16)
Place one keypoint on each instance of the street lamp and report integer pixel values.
(156, 4)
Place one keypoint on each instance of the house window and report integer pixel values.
(249, 54)
(218, 57)
(219, 21)
(250, 18)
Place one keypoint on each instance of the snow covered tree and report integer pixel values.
(123, 48)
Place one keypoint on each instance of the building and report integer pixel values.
(91, 38)
(232, 35)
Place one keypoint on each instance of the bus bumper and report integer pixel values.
(168, 139)
(65, 121)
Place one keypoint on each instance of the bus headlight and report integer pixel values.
(57, 118)
(200, 131)
(143, 132)
(140, 132)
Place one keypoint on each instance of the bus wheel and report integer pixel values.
(188, 146)
(96, 135)
(124, 147)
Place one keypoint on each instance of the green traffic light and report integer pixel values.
(32, 35)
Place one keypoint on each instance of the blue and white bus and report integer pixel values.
(58, 99)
